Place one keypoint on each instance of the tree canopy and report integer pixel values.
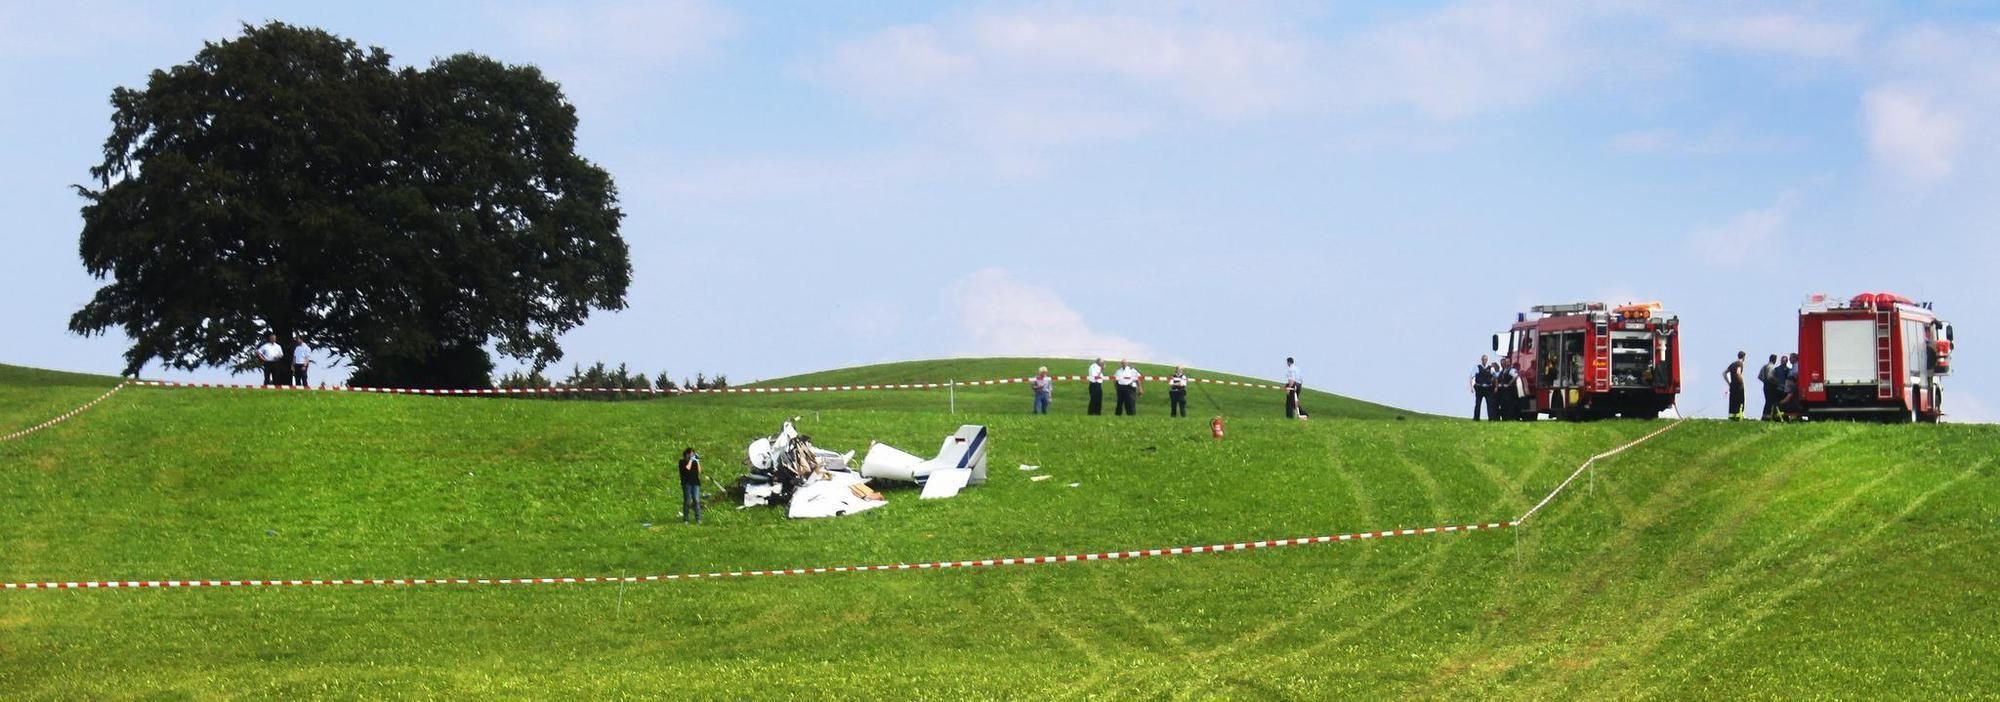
(289, 181)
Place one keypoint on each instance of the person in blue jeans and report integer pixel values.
(1044, 387)
(690, 485)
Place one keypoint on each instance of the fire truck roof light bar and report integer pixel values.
(1572, 308)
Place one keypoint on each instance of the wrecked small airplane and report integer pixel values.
(787, 468)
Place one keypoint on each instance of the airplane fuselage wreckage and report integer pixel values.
(786, 468)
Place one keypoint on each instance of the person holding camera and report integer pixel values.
(690, 485)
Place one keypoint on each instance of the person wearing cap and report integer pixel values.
(1177, 392)
(272, 357)
(1127, 378)
(1044, 388)
(1096, 378)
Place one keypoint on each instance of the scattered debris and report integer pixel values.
(1041, 477)
(786, 468)
(1025, 466)
(1076, 484)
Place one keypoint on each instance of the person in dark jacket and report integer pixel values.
(1733, 375)
(1767, 380)
(1482, 389)
(1177, 392)
(690, 485)
(1506, 393)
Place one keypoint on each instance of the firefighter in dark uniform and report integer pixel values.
(1506, 393)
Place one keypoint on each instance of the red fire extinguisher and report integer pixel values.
(1215, 426)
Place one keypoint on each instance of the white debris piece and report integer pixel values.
(833, 496)
(965, 448)
(946, 483)
(1025, 466)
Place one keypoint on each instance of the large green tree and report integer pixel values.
(289, 181)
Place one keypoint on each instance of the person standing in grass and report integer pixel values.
(1766, 378)
(1794, 403)
(1045, 387)
(690, 469)
(1482, 389)
(272, 357)
(301, 361)
(1177, 392)
(1295, 383)
(1734, 376)
(1096, 378)
(1127, 378)
(1507, 393)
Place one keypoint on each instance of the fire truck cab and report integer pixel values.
(1587, 360)
(1875, 356)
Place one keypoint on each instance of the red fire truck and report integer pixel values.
(1875, 356)
(1588, 361)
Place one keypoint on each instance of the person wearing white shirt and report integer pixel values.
(1044, 388)
(272, 357)
(1096, 378)
(301, 360)
(1177, 392)
(1128, 389)
(1294, 382)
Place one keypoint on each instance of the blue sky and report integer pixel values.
(1371, 187)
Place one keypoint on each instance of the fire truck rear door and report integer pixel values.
(1847, 348)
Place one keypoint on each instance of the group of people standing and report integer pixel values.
(273, 359)
(1496, 389)
(1129, 384)
(1780, 380)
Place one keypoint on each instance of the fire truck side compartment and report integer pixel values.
(1848, 351)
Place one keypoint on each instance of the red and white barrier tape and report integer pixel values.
(1590, 462)
(676, 391)
(64, 417)
(933, 565)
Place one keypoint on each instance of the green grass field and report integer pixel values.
(1717, 561)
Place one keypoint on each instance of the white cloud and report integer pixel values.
(1018, 83)
(1721, 140)
(1745, 236)
(1910, 135)
(1462, 60)
(609, 53)
(1220, 70)
(1001, 316)
(649, 33)
(905, 62)
(777, 176)
(1776, 33)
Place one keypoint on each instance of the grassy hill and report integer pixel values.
(1719, 560)
(30, 396)
(1071, 397)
